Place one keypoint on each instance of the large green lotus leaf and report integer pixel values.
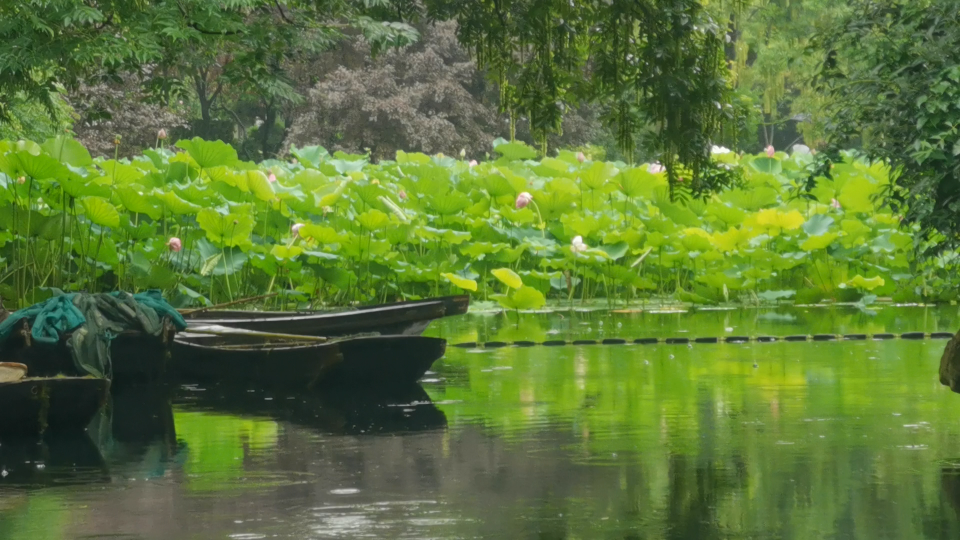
(310, 156)
(553, 204)
(329, 194)
(286, 253)
(369, 193)
(121, 173)
(679, 214)
(870, 284)
(398, 234)
(41, 167)
(580, 224)
(695, 239)
(615, 251)
(174, 204)
(818, 242)
(452, 237)
(513, 151)
(338, 277)
(857, 195)
(67, 151)
(450, 203)
(766, 165)
(320, 233)
(373, 220)
(509, 255)
(725, 212)
(209, 153)
(136, 201)
(322, 255)
(461, 282)
(477, 250)
(219, 262)
(77, 187)
(228, 229)
(557, 166)
(817, 224)
(597, 175)
(497, 185)
(528, 298)
(751, 199)
(100, 211)
(854, 228)
(310, 179)
(639, 182)
(259, 185)
(104, 252)
(417, 158)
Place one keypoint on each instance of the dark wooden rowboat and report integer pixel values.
(34, 406)
(257, 361)
(402, 318)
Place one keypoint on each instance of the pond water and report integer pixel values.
(781, 440)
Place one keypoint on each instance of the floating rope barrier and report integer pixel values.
(707, 340)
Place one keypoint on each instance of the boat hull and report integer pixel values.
(401, 318)
(374, 361)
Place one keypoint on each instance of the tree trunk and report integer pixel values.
(950, 364)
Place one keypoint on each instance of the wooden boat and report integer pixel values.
(402, 318)
(301, 362)
(34, 406)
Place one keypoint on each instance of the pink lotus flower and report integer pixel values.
(162, 134)
(770, 150)
(402, 194)
(835, 203)
(473, 163)
(580, 157)
(656, 168)
(296, 229)
(272, 178)
(174, 244)
(577, 245)
(523, 200)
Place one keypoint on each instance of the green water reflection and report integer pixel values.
(846, 440)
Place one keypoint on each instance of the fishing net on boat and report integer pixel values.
(93, 321)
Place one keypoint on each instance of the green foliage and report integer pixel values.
(891, 75)
(208, 228)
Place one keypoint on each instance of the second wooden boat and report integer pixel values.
(401, 318)
(298, 362)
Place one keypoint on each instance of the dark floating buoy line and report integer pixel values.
(707, 340)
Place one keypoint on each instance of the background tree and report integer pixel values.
(891, 80)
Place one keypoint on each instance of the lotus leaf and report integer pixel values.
(208, 154)
(508, 277)
(463, 283)
(67, 151)
(100, 211)
(870, 284)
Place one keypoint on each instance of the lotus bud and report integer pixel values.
(375, 182)
(162, 134)
(770, 150)
(523, 200)
(296, 229)
(174, 244)
(473, 163)
(656, 168)
(327, 209)
(463, 153)
(402, 194)
(294, 161)
(272, 178)
(577, 245)
(22, 180)
(116, 140)
(235, 223)
(580, 157)
(835, 204)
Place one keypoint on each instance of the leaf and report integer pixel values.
(209, 264)
(513, 151)
(229, 230)
(373, 219)
(870, 284)
(463, 283)
(818, 224)
(100, 211)
(528, 298)
(508, 277)
(67, 151)
(286, 253)
(209, 153)
(615, 251)
(767, 165)
(320, 233)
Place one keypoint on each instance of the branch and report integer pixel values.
(280, 9)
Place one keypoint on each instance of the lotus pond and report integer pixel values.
(847, 440)
(321, 229)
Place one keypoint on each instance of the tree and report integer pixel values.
(646, 63)
(210, 48)
(428, 97)
(891, 78)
